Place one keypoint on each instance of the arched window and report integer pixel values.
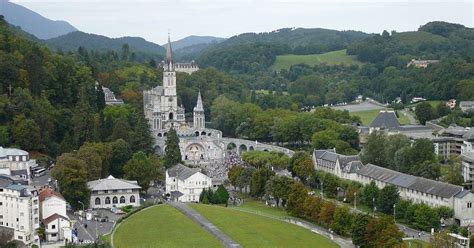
(170, 116)
(122, 199)
(197, 133)
(97, 201)
(107, 200)
(115, 200)
(132, 199)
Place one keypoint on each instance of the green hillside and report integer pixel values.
(330, 58)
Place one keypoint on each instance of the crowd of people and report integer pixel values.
(220, 169)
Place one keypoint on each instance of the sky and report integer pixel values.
(153, 19)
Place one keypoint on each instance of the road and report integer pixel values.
(410, 117)
(197, 217)
(94, 228)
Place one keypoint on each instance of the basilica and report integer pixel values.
(197, 143)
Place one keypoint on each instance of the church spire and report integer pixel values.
(199, 106)
(169, 52)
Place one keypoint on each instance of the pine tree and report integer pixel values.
(172, 151)
(100, 98)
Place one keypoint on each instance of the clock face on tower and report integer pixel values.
(170, 99)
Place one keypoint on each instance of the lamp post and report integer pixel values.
(82, 206)
(322, 189)
(394, 218)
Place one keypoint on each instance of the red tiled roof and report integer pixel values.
(53, 217)
(46, 193)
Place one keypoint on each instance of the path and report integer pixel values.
(342, 242)
(194, 215)
(410, 117)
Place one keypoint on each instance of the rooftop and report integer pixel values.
(112, 183)
(46, 193)
(181, 172)
(11, 152)
(385, 120)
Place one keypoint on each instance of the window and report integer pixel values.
(22, 227)
(469, 205)
(20, 237)
(115, 200)
(22, 214)
(107, 200)
(53, 226)
(53, 234)
(97, 201)
(132, 199)
(122, 199)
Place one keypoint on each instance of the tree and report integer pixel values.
(426, 218)
(296, 199)
(205, 195)
(26, 133)
(374, 148)
(280, 189)
(172, 151)
(370, 194)
(342, 221)
(234, 174)
(121, 130)
(324, 139)
(442, 109)
(244, 178)
(83, 117)
(221, 196)
(454, 172)
(424, 112)
(387, 199)
(359, 228)
(326, 215)
(143, 168)
(121, 153)
(259, 180)
(71, 174)
(100, 97)
(89, 154)
(427, 169)
(303, 167)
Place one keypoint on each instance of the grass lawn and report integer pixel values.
(433, 103)
(251, 230)
(330, 58)
(162, 226)
(368, 116)
(416, 243)
(252, 205)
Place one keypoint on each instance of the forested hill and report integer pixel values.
(74, 40)
(251, 52)
(435, 40)
(33, 22)
(195, 40)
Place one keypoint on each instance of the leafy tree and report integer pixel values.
(424, 112)
(454, 172)
(326, 215)
(426, 218)
(442, 109)
(324, 139)
(144, 169)
(359, 228)
(71, 174)
(100, 98)
(303, 167)
(427, 169)
(296, 199)
(26, 133)
(370, 194)
(121, 130)
(383, 232)
(280, 189)
(387, 199)
(121, 153)
(221, 196)
(342, 221)
(259, 180)
(234, 174)
(172, 151)
(243, 181)
(375, 146)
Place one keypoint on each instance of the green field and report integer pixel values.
(251, 230)
(259, 207)
(416, 243)
(368, 116)
(330, 58)
(162, 226)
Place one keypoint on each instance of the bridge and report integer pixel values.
(242, 145)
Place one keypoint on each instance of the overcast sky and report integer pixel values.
(151, 19)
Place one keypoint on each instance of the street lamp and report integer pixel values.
(394, 205)
(373, 203)
(82, 206)
(322, 189)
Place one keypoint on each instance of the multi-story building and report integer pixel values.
(15, 162)
(421, 63)
(415, 189)
(113, 192)
(466, 106)
(185, 184)
(54, 217)
(19, 210)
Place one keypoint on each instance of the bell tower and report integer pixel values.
(198, 114)
(169, 81)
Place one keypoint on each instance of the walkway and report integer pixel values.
(194, 215)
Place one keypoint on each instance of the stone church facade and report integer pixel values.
(197, 143)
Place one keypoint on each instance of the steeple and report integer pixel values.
(199, 106)
(169, 52)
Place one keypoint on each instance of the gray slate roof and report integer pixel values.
(330, 155)
(181, 172)
(410, 182)
(112, 183)
(385, 120)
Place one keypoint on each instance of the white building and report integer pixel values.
(415, 189)
(54, 217)
(15, 162)
(110, 192)
(185, 184)
(466, 106)
(19, 210)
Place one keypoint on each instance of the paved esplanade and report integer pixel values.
(194, 215)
